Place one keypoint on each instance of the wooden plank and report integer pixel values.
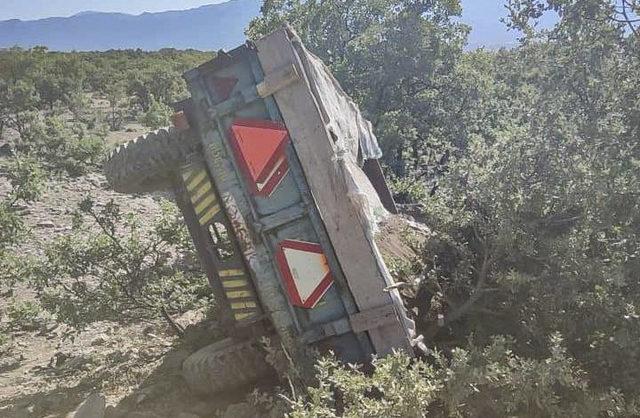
(277, 80)
(373, 318)
(374, 172)
(316, 153)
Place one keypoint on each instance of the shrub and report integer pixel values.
(25, 177)
(63, 147)
(490, 381)
(157, 116)
(23, 315)
(406, 190)
(111, 268)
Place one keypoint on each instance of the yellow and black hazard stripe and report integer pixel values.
(236, 283)
(202, 194)
(240, 294)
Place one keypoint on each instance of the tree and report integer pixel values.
(155, 82)
(537, 217)
(25, 177)
(62, 146)
(20, 105)
(394, 57)
(115, 93)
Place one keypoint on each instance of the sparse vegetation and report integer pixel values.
(110, 268)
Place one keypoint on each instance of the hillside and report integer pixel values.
(209, 27)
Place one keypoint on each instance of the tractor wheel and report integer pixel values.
(224, 366)
(149, 163)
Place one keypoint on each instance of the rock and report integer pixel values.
(96, 180)
(99, 340)
(46, 224)
(190, 317)
(93, 407)
(58, 359)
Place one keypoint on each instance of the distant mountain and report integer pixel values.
(210, 27)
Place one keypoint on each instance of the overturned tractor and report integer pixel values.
(275, 171)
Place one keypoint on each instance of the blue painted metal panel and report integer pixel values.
(290, 196)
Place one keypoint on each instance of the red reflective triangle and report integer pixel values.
(305, 270)
(223, 86)
(260, 145)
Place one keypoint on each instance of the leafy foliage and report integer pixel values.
(112, 269)
(62, 147)
(25, 178)
(158, 115)
(23, 314)
(394, 57)
(490, 381)
(525, 162)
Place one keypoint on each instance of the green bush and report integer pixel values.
(406, 190)
(112, 268)
(23, 315)
(158, 115)
(25, 177)
(62, 146)
(471, 382)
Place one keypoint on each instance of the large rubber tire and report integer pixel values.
(225, 366)
(150, 162)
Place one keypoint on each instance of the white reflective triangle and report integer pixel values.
(307, 268)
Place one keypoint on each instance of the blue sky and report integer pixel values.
(483, 15)
(37, 9)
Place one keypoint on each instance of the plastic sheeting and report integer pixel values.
(353, 137)
(342, 116)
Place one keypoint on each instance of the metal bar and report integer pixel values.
(204, 253)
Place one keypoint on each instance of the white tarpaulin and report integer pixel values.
(353, 135)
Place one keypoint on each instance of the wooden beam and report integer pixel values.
(353, 246)
(277, 80)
